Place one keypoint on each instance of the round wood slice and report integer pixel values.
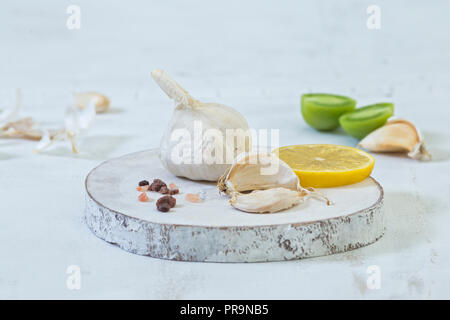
(213, 230)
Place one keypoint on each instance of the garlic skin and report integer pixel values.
(189, 113)
(76, 123)
(272, 185)
(10, 114)
(397, 135)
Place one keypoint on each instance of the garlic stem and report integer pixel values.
(266, 201)
(172, 88)
(83, 99)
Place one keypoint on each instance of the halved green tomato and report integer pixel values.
(322, 111)
(364, 120)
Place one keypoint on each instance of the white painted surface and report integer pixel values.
(113, 185)
(214, 231)
(257, 56)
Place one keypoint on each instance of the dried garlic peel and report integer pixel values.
(397, 135)
(272, 184)
(9, 115)
(82, 100)
(24, 128)
(76, 123)
(188, 114)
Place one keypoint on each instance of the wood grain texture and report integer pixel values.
(241, 237)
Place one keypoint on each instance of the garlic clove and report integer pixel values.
(397, 135)
(258, 171)
(273, 184)
(393, 137)
(82, 100)
(266, 201)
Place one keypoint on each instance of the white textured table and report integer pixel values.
(258, 57)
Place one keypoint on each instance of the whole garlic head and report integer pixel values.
(194, 144)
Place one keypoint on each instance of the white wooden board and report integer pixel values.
(213, 230)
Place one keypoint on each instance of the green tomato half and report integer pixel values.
(322, 111)
(364, 120)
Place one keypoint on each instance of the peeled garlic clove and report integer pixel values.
(397, 135)
(82, 100)
(266, 201)
(258, 171)
(186, 149)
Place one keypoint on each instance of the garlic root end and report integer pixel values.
(420, 152)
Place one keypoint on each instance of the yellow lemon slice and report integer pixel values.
(327, 165)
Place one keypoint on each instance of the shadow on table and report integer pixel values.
(436, 143)
(407, 216)
(406, 219)
(95, 147)
(112, 110)
(6, 156)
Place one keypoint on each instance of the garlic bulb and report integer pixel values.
(397, 135)
(199, 142)
(263, 183)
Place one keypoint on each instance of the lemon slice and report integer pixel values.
(327, 165)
